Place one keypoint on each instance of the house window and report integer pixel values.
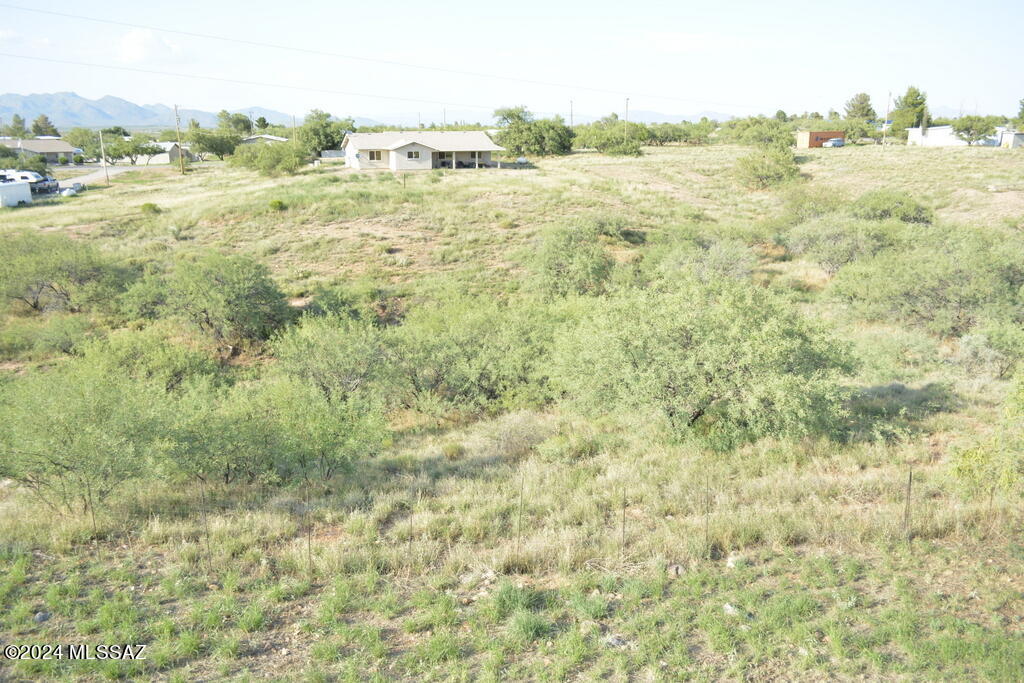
(444, 156)
(476, 155)
(413, 155)
(375, 155)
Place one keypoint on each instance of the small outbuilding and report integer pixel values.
(411, 150)
(805, 139)
(1011, 139)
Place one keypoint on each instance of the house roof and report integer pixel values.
(264, 136)
(441, 141)
(40, 146)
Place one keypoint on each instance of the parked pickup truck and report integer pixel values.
(834, 142)
(38, 183)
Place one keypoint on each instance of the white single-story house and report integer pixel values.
(412, 150)
(944, 136)
(49, 148)
(262, 139)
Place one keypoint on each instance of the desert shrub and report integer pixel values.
(277, 205)
(79, 159)
(880, 205)
(722, 361)
(150, 355)
(146, 297)
(315, 434)
(572, 260)
(996, 463)
(44, 272)
(342, 357)
(269, 160)
(364, 300)
(73, 434)
(996, 346)
(835, 241)
(150, 209)
(711, 260)
(230, 298)
(474, 355)
(453, 450)
(63, 160)
(803, 204)
(64, 333)
(944, 283)
(766, 167)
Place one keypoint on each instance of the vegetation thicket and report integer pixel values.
(716, 411)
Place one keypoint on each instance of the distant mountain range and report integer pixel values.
(67, 109)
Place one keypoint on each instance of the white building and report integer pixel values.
(1011, 139)
(413, 150)
(943, 136)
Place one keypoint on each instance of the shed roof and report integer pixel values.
(442, 141)
(40, 146)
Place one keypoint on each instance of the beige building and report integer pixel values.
(417, 150)
(50, 149)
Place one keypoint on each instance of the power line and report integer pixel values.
(372, 60)
(261, 84)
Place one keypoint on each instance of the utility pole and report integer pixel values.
(444, 117)
(625, 123)
(885, 122)
(103, 158)
(570, 114)
(177, 129)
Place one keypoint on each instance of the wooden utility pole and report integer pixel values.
(177, 129)
(625, 122)
(885, 121)
(103, 159)
(570, 113)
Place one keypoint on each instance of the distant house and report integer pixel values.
(411, 150)
(805, 139)
(945, 136)
(262, 139)
(171, 153)
(48, 148)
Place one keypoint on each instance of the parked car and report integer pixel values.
(834, 142)
(38, 183)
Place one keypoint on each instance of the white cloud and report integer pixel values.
(7, 35)
(140, 46)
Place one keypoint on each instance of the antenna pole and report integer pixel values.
(181, 151)
(103, 158)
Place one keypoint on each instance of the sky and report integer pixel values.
(682, 57)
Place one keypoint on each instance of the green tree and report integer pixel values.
(612, 135)
(84, 139)
(910, 111)
(230, 298)
(521, 134)
(972, 129)
(319, 132)
(781, 116)
(723, 361)
(44, 126)
(16, 128)
(116, 131)
(73, 434)
(262, 123)
(859, 107)
(237, 124)
(220, 144)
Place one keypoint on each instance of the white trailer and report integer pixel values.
(15, 194)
